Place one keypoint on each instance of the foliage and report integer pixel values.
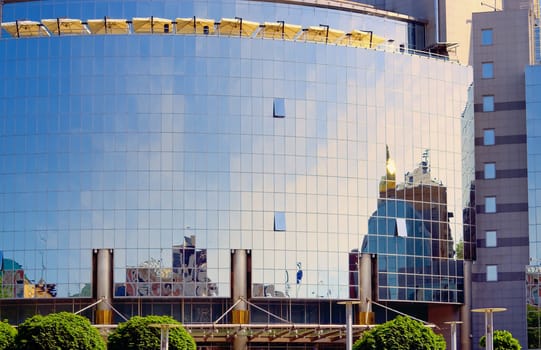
(62, 330)
(534, 327)
(503, 340)
(7, 336)
(136, 334)
(402, 333)
(459, 249)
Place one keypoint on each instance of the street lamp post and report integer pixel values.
(349, 321)
(453, 332)
(164, 334)
(489, 323)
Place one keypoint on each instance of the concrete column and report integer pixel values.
(465, 311)
(104, 286)
(240, 313)
(366, 316)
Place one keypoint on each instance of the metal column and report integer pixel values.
(465, 315)
(104, 286)
(365, 282)
(240, 313)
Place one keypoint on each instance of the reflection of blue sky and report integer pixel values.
(141, 148)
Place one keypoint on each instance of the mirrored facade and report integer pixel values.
(173, 149)
(533, 271)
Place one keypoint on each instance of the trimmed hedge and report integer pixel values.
(402, 333)
(61, 330)
(136, 334)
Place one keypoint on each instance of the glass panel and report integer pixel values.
(279, 221)
(490, 204)
(491, 239)
(490, 171)
(279, 109)
(489, 137)
(492, 273)
(488, 103)
(486, 36)
(487, 70)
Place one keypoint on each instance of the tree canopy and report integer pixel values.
(62, 330)
(137, 334)
(402, 333)
(503, 340)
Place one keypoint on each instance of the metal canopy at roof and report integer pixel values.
(108, 26)
(20, 29)
(152, 25)
(322, 34)
(279, 30)
(237, 26)
(65, 26)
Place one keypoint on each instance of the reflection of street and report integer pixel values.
(187, 277)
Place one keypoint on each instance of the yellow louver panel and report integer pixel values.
(152, 25)
(323, 34)
(20, 29)
(195, 25)
(64, 26)
(237, 26)
(359, 38)
(279, 30)
(108, 26)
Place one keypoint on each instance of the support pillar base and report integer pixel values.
(240, 316)
(366, 318)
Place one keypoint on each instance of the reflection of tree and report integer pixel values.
(534, 327)
(5, 291)
(459, 250)
(86, 291)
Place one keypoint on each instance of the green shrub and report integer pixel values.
(7, 336)
(62, 330)
(503, 340)
(136, 334)
(402, 333)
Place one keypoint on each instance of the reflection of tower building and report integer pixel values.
(410, 246)
(428, 197)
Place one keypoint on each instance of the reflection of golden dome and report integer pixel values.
(391, 169)
(388, 181)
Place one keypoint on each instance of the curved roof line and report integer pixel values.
(351, 6)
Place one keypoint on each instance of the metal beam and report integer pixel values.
(13, 1)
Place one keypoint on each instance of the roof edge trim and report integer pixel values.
(352, 6)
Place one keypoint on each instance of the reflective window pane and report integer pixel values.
(490, 204)
(492, 273)
(486, 36)
(490, 170)
(487, 70)
(489, 137)
(491, 239)
(488, 103)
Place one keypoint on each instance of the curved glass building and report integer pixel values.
(189, 157)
